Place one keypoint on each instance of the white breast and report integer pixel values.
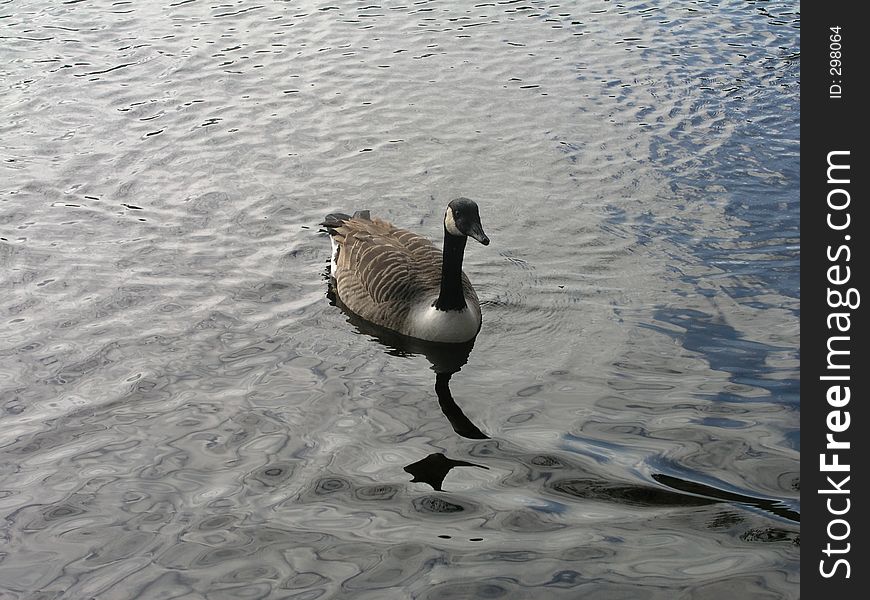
(428, 323)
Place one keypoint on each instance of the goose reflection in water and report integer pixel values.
(564, 477)
(446, 360)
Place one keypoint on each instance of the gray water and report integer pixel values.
(185, 412)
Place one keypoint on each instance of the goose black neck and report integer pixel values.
(451, 297)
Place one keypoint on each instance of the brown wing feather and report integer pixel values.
(383, 270)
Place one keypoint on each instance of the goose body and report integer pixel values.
(400, 280)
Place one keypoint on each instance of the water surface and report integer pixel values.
(187, 412)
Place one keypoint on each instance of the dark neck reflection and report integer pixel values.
(462, 425)
(446, 360)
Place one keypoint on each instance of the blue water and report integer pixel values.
(187, 412)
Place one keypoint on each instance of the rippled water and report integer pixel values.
(187, 413)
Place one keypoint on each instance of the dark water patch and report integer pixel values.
(629, 495)
(184, 412)
(437, 505)
(776, 507)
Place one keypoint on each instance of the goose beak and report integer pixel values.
(478, 234)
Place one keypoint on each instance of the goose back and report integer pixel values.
(387, 275)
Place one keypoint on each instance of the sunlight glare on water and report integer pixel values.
(185, 411)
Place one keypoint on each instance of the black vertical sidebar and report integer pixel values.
(835, 429)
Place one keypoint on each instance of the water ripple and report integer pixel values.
(184, 412)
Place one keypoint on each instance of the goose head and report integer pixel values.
(462, 219)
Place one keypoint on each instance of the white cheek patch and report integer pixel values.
(450, 224)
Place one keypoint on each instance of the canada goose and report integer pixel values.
(401, 281)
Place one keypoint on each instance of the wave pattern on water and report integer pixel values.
(186, 412)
